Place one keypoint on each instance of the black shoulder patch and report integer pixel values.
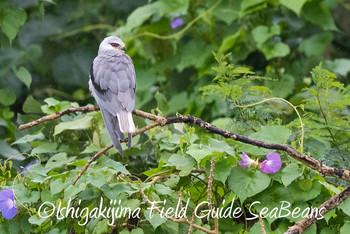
(96, 86)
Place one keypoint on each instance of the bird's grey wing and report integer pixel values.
(114, 83)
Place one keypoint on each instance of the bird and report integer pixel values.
(112, 82)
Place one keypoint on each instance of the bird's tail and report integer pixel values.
(111, 123)
(126, 124)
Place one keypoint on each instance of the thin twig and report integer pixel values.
(262, 226)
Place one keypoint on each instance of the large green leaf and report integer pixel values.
(316, 13)
(305, 190)
(247, 184)
(78, 124)
(11, 20)
(273, 134)
(290, 173)
(294, 5)
(199, 152)
(183, 163)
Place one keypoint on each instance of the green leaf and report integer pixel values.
(37, 169)
(24, 75)
(316, 45)
(36, 220)
(72, 190)
(8, 151)
(199, 152)
(222, 171)
(306, 190)
(272, 134)
(262, 33)
(12, 19)
(162, 189)
(220, 146)
(183, 163)
(101, 227)
(316, 13)
(227, 11)
(78, 124)
(56, 161)
(111, 191)
(30, 105)
(7, 97)
(29, 138)
(279, 49)
(276, 196)
(250, 3)
(49, 147)
(339, 66)
(117, 166)
(345, 206)
(28, 196)
(345, 229)
(290, 173)
(294, 5)
(162, 102)
(154, 218)
(57, 186)
(246, 184)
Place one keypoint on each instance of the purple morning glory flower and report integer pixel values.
(176, 23)
(272, 164)
(24, 171)
(246, 161)
(8, 204)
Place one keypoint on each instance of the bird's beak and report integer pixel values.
(124, 49)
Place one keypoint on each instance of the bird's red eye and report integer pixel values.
(115, 44)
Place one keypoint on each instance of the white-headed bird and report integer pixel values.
(112, 83)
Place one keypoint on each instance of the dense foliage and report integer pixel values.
(277, 71)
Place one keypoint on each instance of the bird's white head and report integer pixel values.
(112, 43)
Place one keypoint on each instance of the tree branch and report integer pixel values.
(324, 170)
(328, 205)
